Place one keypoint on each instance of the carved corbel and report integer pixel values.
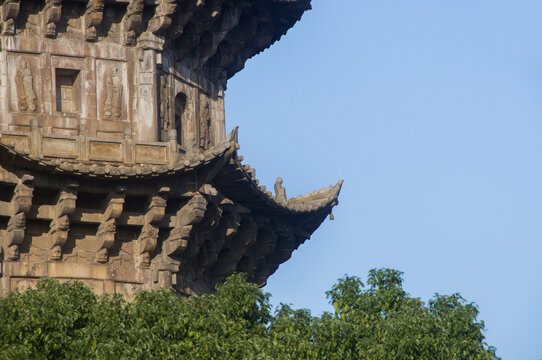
(108, 228)
(235, 248)
(53, 13)
(60, 225)
(10, 12)
(132, 21)
(21, 203)
(163, 16)
(146, 243)
(230, 221)
(93, 18)
(182, 16)
(256, 253)
(187, 217)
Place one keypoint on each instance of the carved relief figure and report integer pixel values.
(113, 95)
(26, 96)
(164, 108)
(204, 124)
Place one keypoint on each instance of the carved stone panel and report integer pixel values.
(112, 90)
(25, 84)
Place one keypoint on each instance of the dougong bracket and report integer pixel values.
(60, 225)
(146, 243)
(21, 204)
(93, 18)
(108, 228)
(53, 13)
(10, 12)
(132, 21)
(187, 217)
(163, 16)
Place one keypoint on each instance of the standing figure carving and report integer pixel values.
(113, 95)
(26, 96)
(280, 192)
(165, 124)
(204, 124)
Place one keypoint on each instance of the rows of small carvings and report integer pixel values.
(202, 31)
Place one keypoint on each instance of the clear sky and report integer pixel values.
(431, 111)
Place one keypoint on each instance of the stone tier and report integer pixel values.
(185, 225)
(213, 37)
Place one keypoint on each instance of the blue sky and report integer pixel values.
(431, 111)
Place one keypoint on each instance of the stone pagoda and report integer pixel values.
(115, 166)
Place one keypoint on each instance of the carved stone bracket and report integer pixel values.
(163, 16)
(10, 12)
(60, 225)
(108, 228)
(183, 15)
(93, 18)
(53, 13)
(132, 21)
(187, 217)
(256, 253)
(234, 248)
(229, 224)
(146, 243)
(21, 203)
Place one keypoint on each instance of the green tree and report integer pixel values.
(380, 321)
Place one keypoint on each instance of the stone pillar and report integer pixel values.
(148, 86)
(4, 100)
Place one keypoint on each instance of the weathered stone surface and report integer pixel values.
(115, 168)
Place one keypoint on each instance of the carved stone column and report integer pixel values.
(108, 228)
(53, 13)
(146, 243)
(21, 203)
(60, 225)
(10, 12)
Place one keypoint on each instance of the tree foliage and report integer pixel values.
(380, 321)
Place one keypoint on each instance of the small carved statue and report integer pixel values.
(113, 95)
(280, 192)
(205, 125)
(164, 108)
(27, 99)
